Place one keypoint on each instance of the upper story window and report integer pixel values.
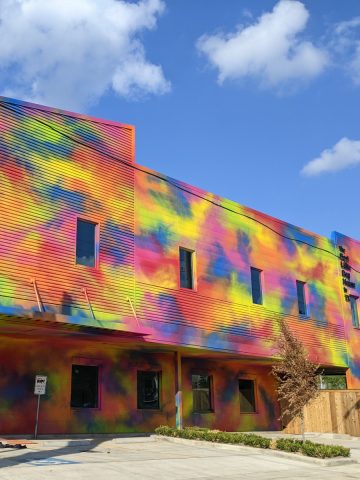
(256, 288)
(186, 268)
(301, 297)
(354, 311)
(86, 243)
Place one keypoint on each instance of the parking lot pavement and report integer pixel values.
(147, 458)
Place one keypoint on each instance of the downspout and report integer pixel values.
(178, 392)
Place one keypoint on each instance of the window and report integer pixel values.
(256, 286)
(201, 387)
(300, 289)
(84, 386)
(85, 243)
(332, 378)
(186, 268)
(148, 390)
(332, 382)
(247, 396)
(354, 311)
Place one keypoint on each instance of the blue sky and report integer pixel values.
(234, 96)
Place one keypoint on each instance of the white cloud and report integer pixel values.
(345, 153)
(347, 26)
(269, 50)
(346, 43)
(68, 53)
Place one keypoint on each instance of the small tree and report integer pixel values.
(296, 375)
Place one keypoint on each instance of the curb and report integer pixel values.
(329, 462)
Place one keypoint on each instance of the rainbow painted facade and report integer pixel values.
(128, 313)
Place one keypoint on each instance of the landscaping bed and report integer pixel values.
(307, 448)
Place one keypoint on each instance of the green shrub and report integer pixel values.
(198, 429)
(163, 430)
(324, 451)
(217, 436)
(311, 449)
(252, 440)
(288, 444)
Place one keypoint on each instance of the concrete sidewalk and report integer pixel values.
(148, 458)
(82, 440)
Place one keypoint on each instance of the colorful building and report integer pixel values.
(145, 300)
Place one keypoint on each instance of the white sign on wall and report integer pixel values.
(40, 385)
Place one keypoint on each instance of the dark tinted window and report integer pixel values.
(84, 386)
(256, 286)
(148, 390)
(300, 289)
(201, 387)
(247, 396)
(85, 243)
(186, 269)
(354, 311)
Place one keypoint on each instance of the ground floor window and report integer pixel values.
(247, 396)
(332, 382)
(201, 388)
(84, 386)
(148, 388)
(332, 378)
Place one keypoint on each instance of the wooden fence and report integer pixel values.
(333, 411)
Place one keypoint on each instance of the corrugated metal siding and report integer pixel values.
(47, 181)
(106, 137)
(352, 250)
(194, 319)
(49, 178)
(219, 314)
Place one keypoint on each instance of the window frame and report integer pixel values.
(261, 285)
(211, 392)
(254, 381)
(159, 377)
(85, 362)
(96, 241)
(353, 303)
(193, 269)
(305, 296)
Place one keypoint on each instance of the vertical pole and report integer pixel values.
(178, 391)
(37, 295)
(37, 417)
(133, 311)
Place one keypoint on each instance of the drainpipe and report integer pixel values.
(178, 391)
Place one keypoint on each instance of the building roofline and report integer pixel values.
(64, 113)
(233, 204)
(192, 188)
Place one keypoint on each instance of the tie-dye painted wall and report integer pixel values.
(54, 171)
(352, 334)
(228, 240)
(57, 167)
